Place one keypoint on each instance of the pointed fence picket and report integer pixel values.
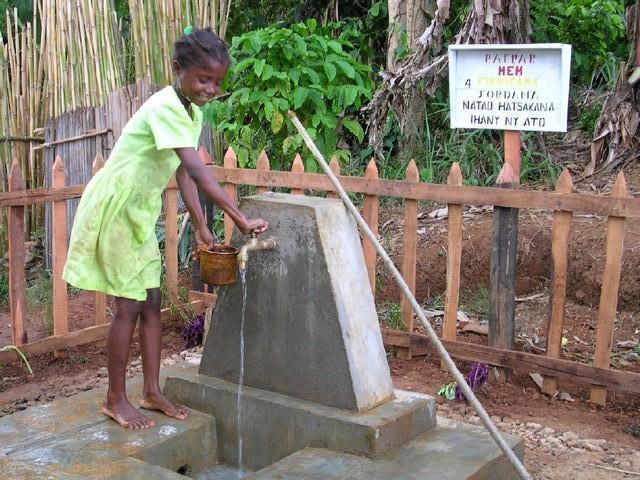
(560, 230)
(370, 212)
(263, 165)
(59, 227)
(100, 300)
(297, 167)
(454, 256)
(619, 207)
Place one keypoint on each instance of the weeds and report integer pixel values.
(475, 301)
(391, 316)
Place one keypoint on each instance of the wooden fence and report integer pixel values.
(618, 208)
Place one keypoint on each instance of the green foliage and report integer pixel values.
(448, 391)
(280, 69)
(595, 28)
(391, 316)
(588, 117)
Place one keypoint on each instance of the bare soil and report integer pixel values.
(518, 407)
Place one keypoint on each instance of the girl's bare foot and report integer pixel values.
(126, 415)
(159, 402)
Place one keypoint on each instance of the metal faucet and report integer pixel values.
(251, 246)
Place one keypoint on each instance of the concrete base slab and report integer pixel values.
(274, 425)
(71, 438)
(450, 452)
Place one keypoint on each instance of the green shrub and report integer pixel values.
(278, 69)
(595, 28)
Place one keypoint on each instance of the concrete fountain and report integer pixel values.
(310, 397)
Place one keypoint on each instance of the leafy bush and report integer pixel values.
(595, 28)
(278, 69)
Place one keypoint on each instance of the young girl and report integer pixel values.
(113, 246)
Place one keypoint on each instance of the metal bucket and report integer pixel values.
(219, 266)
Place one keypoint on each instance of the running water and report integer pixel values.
(241, 376)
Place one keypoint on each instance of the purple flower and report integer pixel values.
(192, 332)
(476, 379)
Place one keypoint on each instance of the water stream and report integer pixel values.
(241, 375)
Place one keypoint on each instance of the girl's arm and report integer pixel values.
(190, 197)
(193, 166)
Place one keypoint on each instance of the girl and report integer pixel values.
(113, 247)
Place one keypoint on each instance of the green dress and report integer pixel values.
(113, 247)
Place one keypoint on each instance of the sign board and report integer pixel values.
(510, 87)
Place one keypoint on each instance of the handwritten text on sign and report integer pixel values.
(509, 87)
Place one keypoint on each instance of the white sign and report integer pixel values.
(510, 87)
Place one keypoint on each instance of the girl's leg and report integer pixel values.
(151, 342)
(117, 405)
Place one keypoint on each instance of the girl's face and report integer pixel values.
(200, 83)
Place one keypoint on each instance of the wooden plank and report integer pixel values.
(40, 195)
(17, 286)
(577, 203)
(627, 207)
(208, 299)
(230, 162)
(334, 165)
(100, 300)
(609, 292)
(579, 372)
(560, 230)
(262, 164)
(86, 335)
(59, 249)
(409, 248)
(454, 257)
(171, 239)
(297, 168)
(370, 214)
(502, 280)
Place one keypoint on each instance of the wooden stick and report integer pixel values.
(613, 469)
(17, 286)
(171, 239)
(454, 258)
(23, 138)
(100, 300)
(297, 168)
(230, 162)
(609, 292)
(59, 248)
(560, 230)
(73, 139)
(409, 251)
(370, 211)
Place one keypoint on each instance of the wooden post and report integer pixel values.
(503, 271)
(454, 257)
(17, 286)
(370, 215)
(171, 239)
(609, 292)
(334, 165)
(297, 167)
(100, 301)
(59, 249)
(230, 161)
(560, 231)
(409, 256)
(262, 164)
(512, 144)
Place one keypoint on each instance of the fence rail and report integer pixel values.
(618, 208)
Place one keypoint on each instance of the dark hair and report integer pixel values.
(190, 50)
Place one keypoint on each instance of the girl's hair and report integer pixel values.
(191, 49)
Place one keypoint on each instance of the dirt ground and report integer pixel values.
(568, 438)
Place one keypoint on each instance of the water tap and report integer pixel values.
(252, 245)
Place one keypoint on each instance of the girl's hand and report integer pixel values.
(253, 225)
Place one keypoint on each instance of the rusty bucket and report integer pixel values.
(219, 266)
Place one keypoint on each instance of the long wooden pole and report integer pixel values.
(468, 393)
